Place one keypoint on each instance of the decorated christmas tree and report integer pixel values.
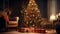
(32, 16)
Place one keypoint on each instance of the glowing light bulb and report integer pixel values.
(59, 14)
(38, 11)
(33, 25)
(32, 4)
(30, 21)
(27, 22)
(36, 8)
(52, 17)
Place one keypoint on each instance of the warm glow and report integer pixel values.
(30, 21)
(32, 14)
(17, 18)
(35, 4)
(59, 14)
(38, 11)
(28, 4)
(36, 8)
(56, 16)
(27, 23)
(32, 3)
(33, 25)
(52, 10)
(52, 17)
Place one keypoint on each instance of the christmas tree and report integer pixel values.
(32, 16)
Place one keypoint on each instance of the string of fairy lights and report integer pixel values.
(32, 16)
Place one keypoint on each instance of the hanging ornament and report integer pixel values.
(33, 25)
(27, 16)
(32, 14)
(32, 4)
(35, 4)
(38, 11)
(25, 11)
(36, 8)
(30, 21)
(27, 22)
